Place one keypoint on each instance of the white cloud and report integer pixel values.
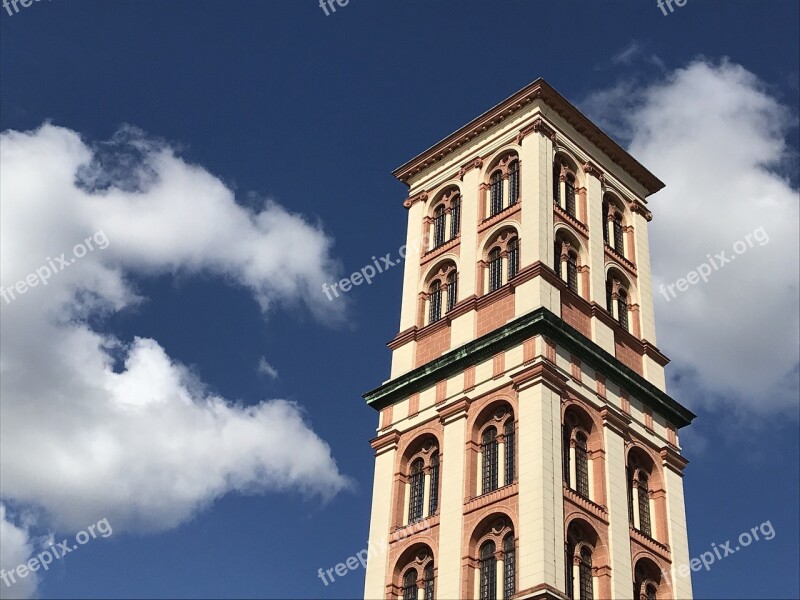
(97, 427)
(15, 549)
(267, 369)
(717, 138)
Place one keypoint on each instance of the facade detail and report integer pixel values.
(526, 445)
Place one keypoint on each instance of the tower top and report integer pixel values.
(537, 90)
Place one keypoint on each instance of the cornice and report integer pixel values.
(538, 322)
(538, 90)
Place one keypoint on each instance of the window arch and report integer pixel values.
(415, 574)
(502, 259)
(614, 228)
(420, 481)
(567, 255)
(566, 193)
(639, 493)
(646, 580)
(502, 184)
(496, 439)
(416, 507)
(410, 589)
(580, 441)
(488, 571)
(492, 556)
(580, 561)
(444, 221)
(441, 293)
(618, 298)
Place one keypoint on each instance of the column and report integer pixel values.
(673, 464)
(541, 505)
(619, 540)
(385, 448)
(451, 513)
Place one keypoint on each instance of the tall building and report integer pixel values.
(527, 447)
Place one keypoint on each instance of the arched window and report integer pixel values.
(429, 581)
(410, 585)
(513, 183)
(439, 220)
(513, 258)
(647, 578)
(452, 290)
(569, 193)
(508, 434)
(581, 464)
(497, 192)
(495, 270)
(644, 504)
(610, 297)
(509, 567)
(622, 307)
(585, 574)
(606, 216)
(488, 563)
(639, 496)
(455, 217)
(489, 454)
(572, 270)
(417, 491)
(433, 505)
(435, 299)
(619, 240)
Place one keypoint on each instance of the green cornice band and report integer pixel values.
(539, 322)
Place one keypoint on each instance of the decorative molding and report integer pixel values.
(616, 421)
(385, 442)
(673, 461)
(538, 90)
(454, 411)
(473, 164)
(411, 201)
(543, 372)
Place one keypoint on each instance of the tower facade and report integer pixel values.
(526, 446)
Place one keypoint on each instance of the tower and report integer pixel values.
(526, 445)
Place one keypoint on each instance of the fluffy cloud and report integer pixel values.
(93, 426)
(14, 551)
(717, 137)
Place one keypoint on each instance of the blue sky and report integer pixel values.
(284, 106)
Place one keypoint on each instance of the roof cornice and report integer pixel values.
(538, 90)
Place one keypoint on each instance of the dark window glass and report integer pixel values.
(513, 183)
(429, 582)
(605, 221)
(572, 272)
(650, 592)
(497, 193)
(509, 567)
(509, 450)
(455, 217)
(644, 505)
(417, 492)
(513, 258)
(435, 312)
(582, 466)
(587, 592)
(410, 585)
(433, 506)
(439, 219)
(619, 240)
(565, 452)
(489, 450)
(623, 308)
(610, 297)
(495, 270)
(452, 291)
(488, 572)
(570, 196)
